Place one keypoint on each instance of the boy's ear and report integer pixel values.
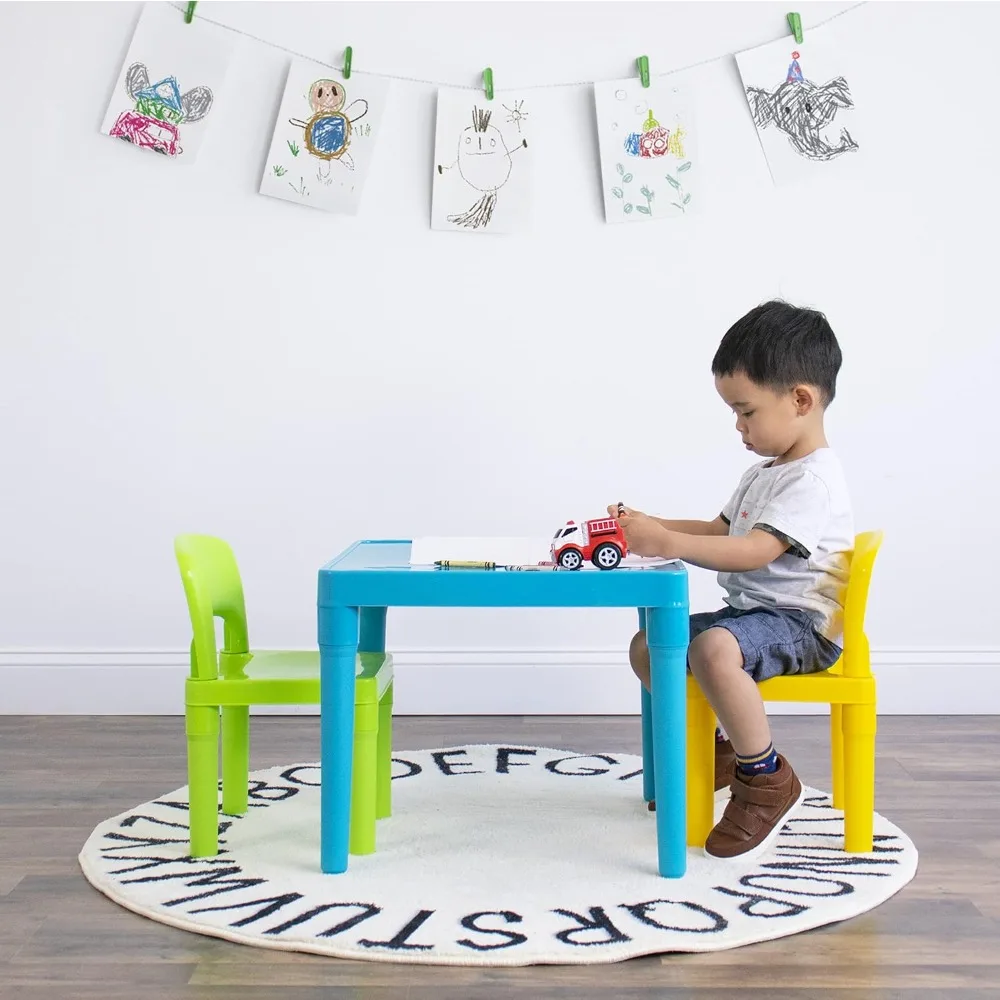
(806, 398)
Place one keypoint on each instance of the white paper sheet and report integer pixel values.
(324, 138)
(482, 162)
(508, 551)
(170, 83)
(505, 551)
(648, 156)
(802, 106)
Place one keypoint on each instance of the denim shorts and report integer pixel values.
(773, 641)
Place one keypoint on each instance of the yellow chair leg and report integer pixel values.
(235, 759)
(859, 777)
(362, 830)
(700, 769)
(201, 725)
(837, 754)
(383, 766)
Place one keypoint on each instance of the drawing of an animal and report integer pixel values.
(803, 111)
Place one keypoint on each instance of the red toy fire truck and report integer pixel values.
(601, 540)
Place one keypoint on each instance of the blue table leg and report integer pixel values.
(648, 765)
(372, 630)
(337, 654)
(667, 638)
(648, 792)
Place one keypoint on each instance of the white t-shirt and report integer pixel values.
(806, 504)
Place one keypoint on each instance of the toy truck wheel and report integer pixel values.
(607, 556)
(570, 559)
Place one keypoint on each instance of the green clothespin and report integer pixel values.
(348, 53)
(643, 63)
(795, 25)
(190, 11)
(488, 83)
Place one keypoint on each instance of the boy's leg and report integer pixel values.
(765, 789)
(638, 655)
(716, 661)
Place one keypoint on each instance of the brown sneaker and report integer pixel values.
(755, 814)
(725, 765)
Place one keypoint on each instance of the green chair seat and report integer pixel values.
(285, 677)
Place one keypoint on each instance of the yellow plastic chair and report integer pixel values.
(849, 689)
(230, 680)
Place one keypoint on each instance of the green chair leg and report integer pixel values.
(235, 759)
(383, 777)
(362, 831)
(202, 727)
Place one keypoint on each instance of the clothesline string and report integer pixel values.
(437, 83)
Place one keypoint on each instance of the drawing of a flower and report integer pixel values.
(683, 196)
(619, 192)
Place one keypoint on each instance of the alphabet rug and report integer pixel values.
(494, 855)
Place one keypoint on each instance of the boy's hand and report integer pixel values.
(615, 509)
(646, 536)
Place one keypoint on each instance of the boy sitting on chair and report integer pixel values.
(781, 547)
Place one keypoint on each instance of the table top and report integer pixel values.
(377, 573)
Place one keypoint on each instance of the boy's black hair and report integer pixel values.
(779, 346)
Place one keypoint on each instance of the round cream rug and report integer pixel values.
(494, 855)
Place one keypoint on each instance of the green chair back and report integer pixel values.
(213, 589)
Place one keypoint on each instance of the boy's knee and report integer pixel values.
(715, 650)
(638, 656)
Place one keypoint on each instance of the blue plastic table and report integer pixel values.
(357, 587)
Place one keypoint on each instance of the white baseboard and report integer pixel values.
(473, 682)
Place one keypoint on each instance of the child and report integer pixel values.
(781, 547)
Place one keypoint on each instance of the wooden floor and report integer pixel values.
(940, 937)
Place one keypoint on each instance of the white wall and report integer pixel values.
(160, 375)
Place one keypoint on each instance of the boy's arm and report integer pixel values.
(735, 554)
(717, 527)
(647, 536)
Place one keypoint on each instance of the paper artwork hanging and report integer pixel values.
(324, 139)
(648, 154)
(169, 84)
(802, 106)
(482, 162)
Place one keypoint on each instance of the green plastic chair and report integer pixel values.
(231, 680)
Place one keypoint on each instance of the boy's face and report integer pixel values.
(767, 421)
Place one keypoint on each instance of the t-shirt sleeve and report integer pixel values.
(797, 512)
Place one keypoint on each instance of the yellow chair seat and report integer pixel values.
(830, 687)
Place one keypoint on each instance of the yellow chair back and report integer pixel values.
(856, 660)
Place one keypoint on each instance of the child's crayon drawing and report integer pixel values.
(646, 136)
(323, 141)
(169, 83)
(482, 166)
(805, 128)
